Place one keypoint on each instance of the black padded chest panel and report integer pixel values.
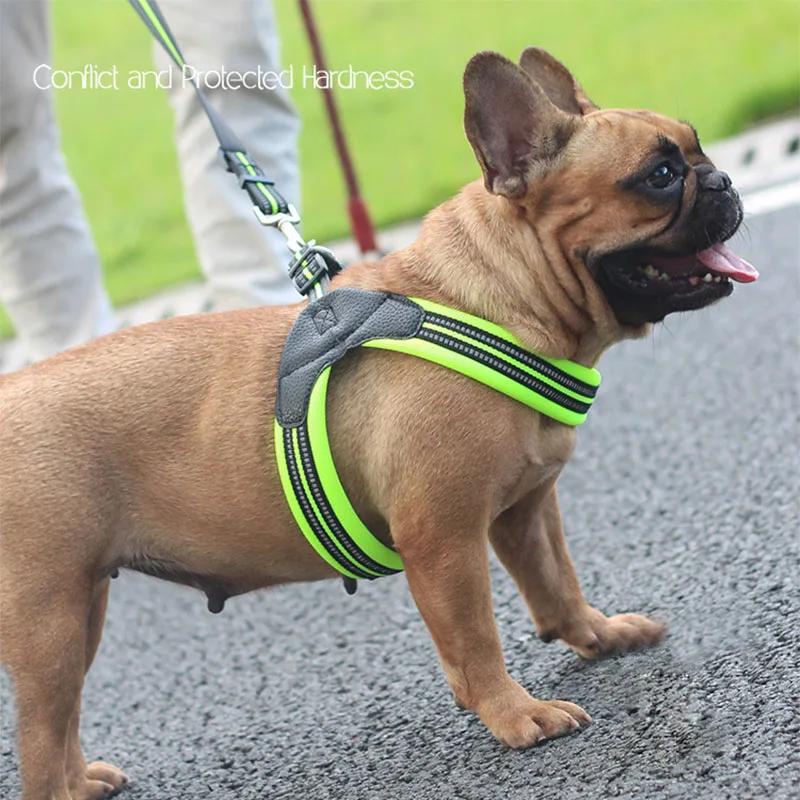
(325, 330)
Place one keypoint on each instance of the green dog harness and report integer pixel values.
(348, 318)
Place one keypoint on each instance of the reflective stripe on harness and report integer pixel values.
(481, 350)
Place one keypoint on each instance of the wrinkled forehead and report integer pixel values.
(643, 134)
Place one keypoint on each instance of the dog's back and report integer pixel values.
(79, 473)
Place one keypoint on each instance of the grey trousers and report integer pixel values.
(50, 275)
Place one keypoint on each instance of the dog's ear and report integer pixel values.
(557, 81)
(510, 122)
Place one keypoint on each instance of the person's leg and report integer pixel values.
(50, 278)
(244, 263)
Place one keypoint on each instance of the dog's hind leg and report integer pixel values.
(44, 648)
(529, 540)
(96, 780)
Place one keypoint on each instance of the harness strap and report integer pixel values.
(349, 318)
(491, 355)
(318, 501)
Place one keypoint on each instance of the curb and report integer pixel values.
(762, 157)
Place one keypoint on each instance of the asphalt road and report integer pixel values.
(681, 502)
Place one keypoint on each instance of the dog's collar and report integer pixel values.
(349, 318)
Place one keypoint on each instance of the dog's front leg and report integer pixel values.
(448, 574)
(529, 540)
(96, 780)
(43, 647)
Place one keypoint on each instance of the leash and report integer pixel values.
(312, 266)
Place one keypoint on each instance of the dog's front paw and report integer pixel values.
(100, 781)
(519, 720)
(594, 634)
(108, 773)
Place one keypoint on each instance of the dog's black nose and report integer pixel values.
(713, 180)
(724, 180)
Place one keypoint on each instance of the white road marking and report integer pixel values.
(773, 198)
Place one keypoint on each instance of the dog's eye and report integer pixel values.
(661, 177)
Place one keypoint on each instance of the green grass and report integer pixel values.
(722, 64)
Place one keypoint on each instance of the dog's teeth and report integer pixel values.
(717, 278)
(662, 276)
(708, 277)
(650, 271)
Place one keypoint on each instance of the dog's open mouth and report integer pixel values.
(710, 269)
(645, 285)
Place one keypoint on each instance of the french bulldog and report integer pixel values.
(150, 449)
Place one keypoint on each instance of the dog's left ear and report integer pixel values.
(558, 82)
(511, 123)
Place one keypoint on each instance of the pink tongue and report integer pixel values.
(722, 260)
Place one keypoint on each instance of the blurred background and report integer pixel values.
(724, 65)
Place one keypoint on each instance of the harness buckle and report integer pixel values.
(310, 265)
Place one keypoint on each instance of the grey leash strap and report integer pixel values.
(312, 266)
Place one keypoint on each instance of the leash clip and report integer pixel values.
(279, 219)
(285, 223)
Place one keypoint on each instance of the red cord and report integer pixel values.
(363, 231)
